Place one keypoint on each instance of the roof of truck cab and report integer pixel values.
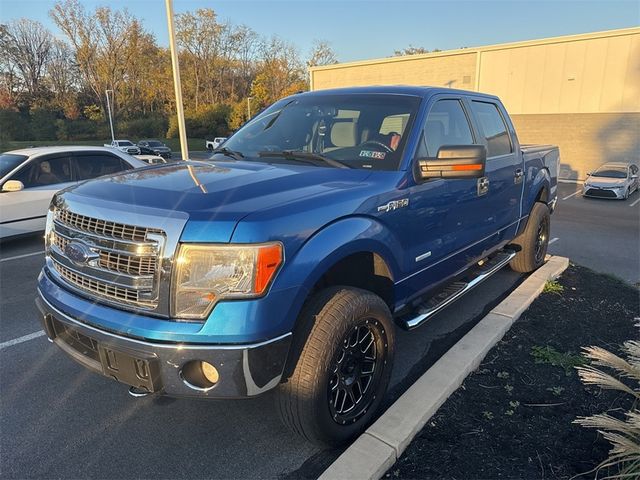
(396, 90)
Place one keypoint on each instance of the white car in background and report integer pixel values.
(215, 143)
(612, 180)
(30, 177)
(126, 146)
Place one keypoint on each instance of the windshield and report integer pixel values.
(356, 131)
(611, 172)
(124, 143)
(9, 161)
(154, 143)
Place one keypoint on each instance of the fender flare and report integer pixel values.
(336, 241)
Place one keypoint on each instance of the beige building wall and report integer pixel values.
(581, 92)
(586, 140)
(453, 71)
(574, 75)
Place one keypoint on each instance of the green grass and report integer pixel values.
(553, 287)
(195, 144)
(549, 355)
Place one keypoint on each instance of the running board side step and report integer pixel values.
(455, 290)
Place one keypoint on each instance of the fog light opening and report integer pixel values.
(199, 375)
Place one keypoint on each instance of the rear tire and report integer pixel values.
(534, 241)
(343, 371)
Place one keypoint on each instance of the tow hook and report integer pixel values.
(138, 392)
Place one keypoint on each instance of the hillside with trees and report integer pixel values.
(53, 89)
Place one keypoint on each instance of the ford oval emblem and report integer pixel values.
(79, 253)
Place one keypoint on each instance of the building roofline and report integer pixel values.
(500, 46)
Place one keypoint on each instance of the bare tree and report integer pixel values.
(107, 46)
(411, 50)
(26, 46)
(321, 54)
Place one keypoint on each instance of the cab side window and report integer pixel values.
(45, 171)
(95, 165)
(493, 128)
(446, 124)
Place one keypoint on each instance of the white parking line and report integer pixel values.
(22, 339)
(553, 240)
(569, 196)
(21, 256)
(637, 200)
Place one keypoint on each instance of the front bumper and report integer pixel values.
(603, 193)
(244, 370)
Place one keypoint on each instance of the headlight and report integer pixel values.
(205, 274)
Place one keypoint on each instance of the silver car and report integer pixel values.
(612, 180)
(30, 177)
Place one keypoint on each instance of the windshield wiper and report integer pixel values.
(300, 155)
(229, 153)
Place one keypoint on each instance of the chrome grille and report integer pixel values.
(100, 288)
(102, 227)
(128, 263)
(116, 262)
(121, 263)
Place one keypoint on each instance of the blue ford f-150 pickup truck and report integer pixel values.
(289, 258)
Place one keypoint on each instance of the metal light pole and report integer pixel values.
(106, 92)
(249, 108)
(176, 81)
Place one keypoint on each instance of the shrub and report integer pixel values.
(209, 121)
(80, 129)
(43, 124)
(14, 125)
(623, 434)
(148, 127)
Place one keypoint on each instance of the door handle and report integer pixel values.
(483, 185)
(518, 175)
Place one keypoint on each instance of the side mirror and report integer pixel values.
(12, 186)
(454, 161)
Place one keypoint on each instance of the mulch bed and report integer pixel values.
(512, 418)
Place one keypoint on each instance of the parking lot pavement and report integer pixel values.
(600, 234)
(59, 420)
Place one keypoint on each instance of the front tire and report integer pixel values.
(344, 368)
(534, 241)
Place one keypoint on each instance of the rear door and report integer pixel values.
(91, 165)
(504, 169)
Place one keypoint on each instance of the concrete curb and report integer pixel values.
(376, 450)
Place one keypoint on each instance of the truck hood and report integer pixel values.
(216, 196)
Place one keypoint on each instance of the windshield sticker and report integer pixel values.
(372, 154)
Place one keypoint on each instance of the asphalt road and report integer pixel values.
(60, 421)
(600, 234)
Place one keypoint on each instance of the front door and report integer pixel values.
(25, 210)
(449, 215)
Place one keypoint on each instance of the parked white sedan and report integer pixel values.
(612, 180)
(29, 178)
